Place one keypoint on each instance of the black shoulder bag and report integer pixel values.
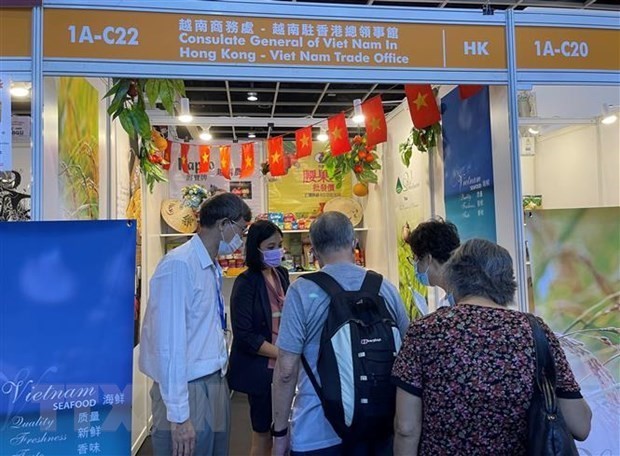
(547, 433)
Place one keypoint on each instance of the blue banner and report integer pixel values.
(66, 337)
(468, 164)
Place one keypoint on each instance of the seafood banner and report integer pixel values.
(66, 337)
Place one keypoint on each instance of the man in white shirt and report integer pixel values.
(183, 344)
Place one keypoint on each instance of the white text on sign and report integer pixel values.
(119, 36)
(565, 49)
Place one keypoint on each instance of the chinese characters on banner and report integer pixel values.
(205, 39)
(74, 398)
(468, 164)
(306, 187)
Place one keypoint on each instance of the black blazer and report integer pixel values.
(250, 312)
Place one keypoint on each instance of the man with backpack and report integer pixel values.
(340, 331)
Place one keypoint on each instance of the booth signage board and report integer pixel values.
(204, 39)
(67, 337)
(15, 32)
(559, 48)
(468, 164)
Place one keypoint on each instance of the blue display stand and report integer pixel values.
(66, 337)
(468, 164)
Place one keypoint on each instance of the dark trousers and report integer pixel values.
(355, 448)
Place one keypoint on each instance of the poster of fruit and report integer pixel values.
(306, 186)
(78, 149)
(575, 266)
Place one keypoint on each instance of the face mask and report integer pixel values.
(272, 258)
(228, 248)
(422, 277)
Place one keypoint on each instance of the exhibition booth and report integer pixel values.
(501, 123)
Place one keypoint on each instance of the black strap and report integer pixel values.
(326, 282)
(313, 380)
(372, 282)
(545, 366)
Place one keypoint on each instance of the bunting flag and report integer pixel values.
(205, 159)
(184, 163)
(167, 155)
(275, 153)
(303, 141)
(374, 120)
(422, 105)
(338, 134)
(225, 161)
(247, 160)
(466, 91)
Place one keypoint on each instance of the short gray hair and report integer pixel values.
(481, 268)
(331, 231)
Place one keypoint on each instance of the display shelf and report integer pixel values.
(307, 231)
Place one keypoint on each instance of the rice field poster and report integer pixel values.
(78, 149)
(575, 267)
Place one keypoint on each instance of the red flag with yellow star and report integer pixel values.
(338, 134)
(275, 154)
(374, 120)
(247, 159)
(205, 159)
(184, 162)
(466, 91)
(422, 105)
(167, 155)
(303, 141)
(225, 161)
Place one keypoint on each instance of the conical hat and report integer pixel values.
(348, 206)
(178, 216)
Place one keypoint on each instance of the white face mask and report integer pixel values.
(228, 248)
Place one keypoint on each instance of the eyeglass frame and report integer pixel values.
(244, 229)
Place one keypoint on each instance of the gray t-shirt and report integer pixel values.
(303, 318)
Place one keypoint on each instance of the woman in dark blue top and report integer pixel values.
(256, 305)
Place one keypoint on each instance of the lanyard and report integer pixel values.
(220, 298)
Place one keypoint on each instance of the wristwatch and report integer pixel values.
(281, 433)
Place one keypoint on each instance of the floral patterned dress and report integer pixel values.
(474, 369)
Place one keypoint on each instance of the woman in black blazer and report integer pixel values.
(256, 305)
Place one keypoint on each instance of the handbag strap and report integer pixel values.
(545, 366)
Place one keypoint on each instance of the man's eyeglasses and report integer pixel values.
(244, 229)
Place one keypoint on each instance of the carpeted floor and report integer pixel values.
(240, 429)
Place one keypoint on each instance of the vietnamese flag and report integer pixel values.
(303, 141)
(247, 159)
(205, 159)
(275, 154)
(184, 163)
(225, 161)
(466, 91)
(374, 120)
(338, 134)
(422, 105)
(167, 154)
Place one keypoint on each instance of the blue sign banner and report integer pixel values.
(66, 337)
(468, 164)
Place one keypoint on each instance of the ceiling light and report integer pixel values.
(609, 116)
(533, 130)
(322, 136)
(205, 135)
(251, 135)
(20, 90)
(252, 96)
(358, 116)
(185, 115)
